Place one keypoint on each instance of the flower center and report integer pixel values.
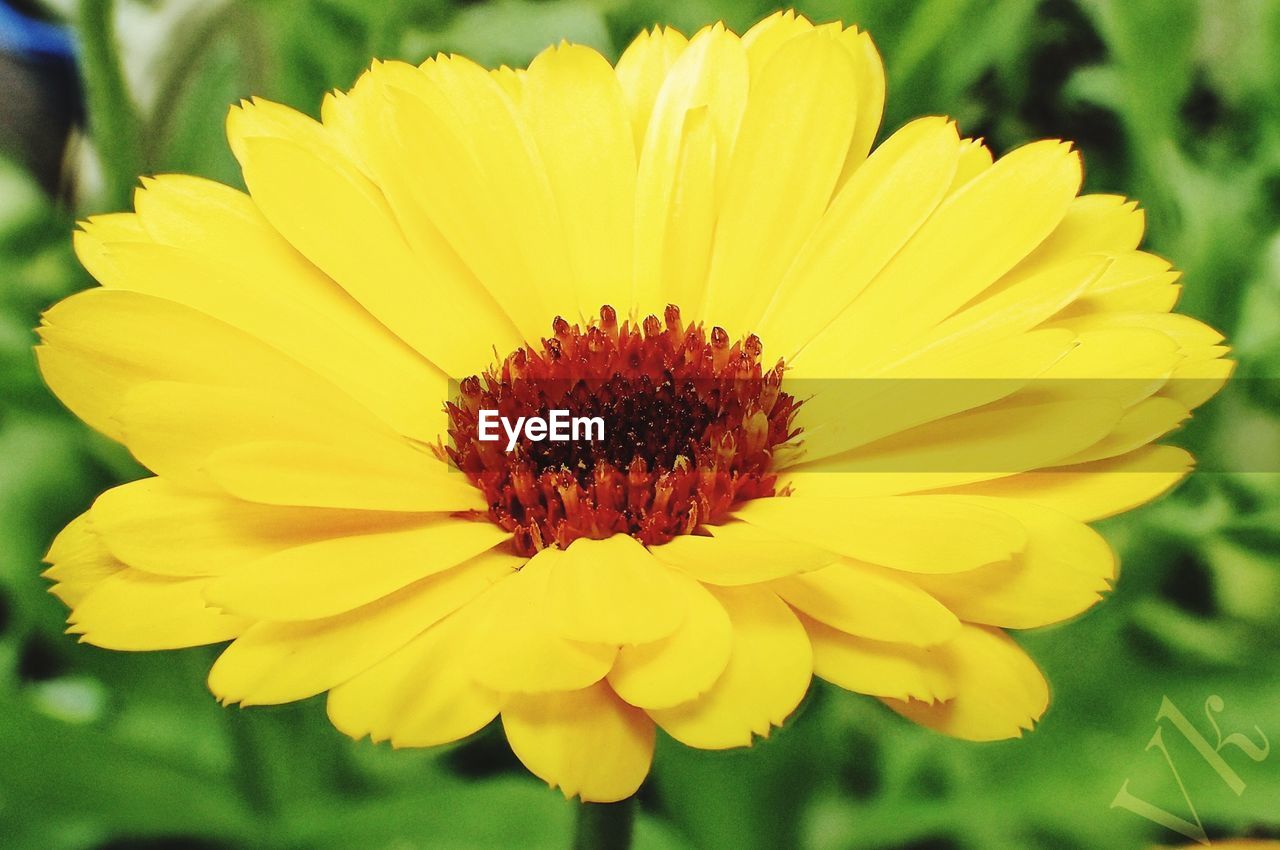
(690, 425)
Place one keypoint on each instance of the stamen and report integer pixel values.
(691, 425)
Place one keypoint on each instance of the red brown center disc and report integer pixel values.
(691, 423)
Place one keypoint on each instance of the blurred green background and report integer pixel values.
(1174, 102)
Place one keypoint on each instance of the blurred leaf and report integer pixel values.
(39, 482)
(442, 813)
(733, 798)
(70, 786)
(512, 31)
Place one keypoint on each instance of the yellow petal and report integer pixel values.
(261, 118)
(767, 36)
(876, 667)
(420, 696)
(1125, 364)
(79, 561)
(512, 81)
(999, 691)
(998, 440)
(173, 428)
(871, 92)
(133, 610)
(911, 406)
(440, 185)
(482, 175)
(342, 117)
(1137, 282)
(207, 246)
(1188, 333)
(869, 602)
(1198, 370)
(1093, 491)
(485, 185)
(1144, 423)
(982, 230)
(1063, 571)
(612, 592)
(1196, 381)
(157, 527)
(326, 476)
(641, 71)
(382, 122)
(682, 666)
(77, 539)
(1132, 268)
(100, 344)
(587, 743)
(691, 209)
(98, 230)
(275, 662)
(924, 534)
(710, 76)
(503, 143)
(975, 159)
(869, 220)
(519, 648)
(578, 119)
(1147, 296)
(1016, 308)
(1094, 224)
(737, 553)
(340, 221)
(790, 149)
(767, 675)
(329, 577)
(980, 445)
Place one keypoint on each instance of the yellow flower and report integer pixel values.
(304, 367)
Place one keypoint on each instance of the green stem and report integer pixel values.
(113, 117)
(604, 826)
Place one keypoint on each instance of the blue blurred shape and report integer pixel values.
(32, 38)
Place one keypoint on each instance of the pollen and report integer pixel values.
(692, 422)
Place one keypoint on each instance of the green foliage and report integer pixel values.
(1176, 102)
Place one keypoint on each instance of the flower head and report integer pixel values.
(858, 406)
